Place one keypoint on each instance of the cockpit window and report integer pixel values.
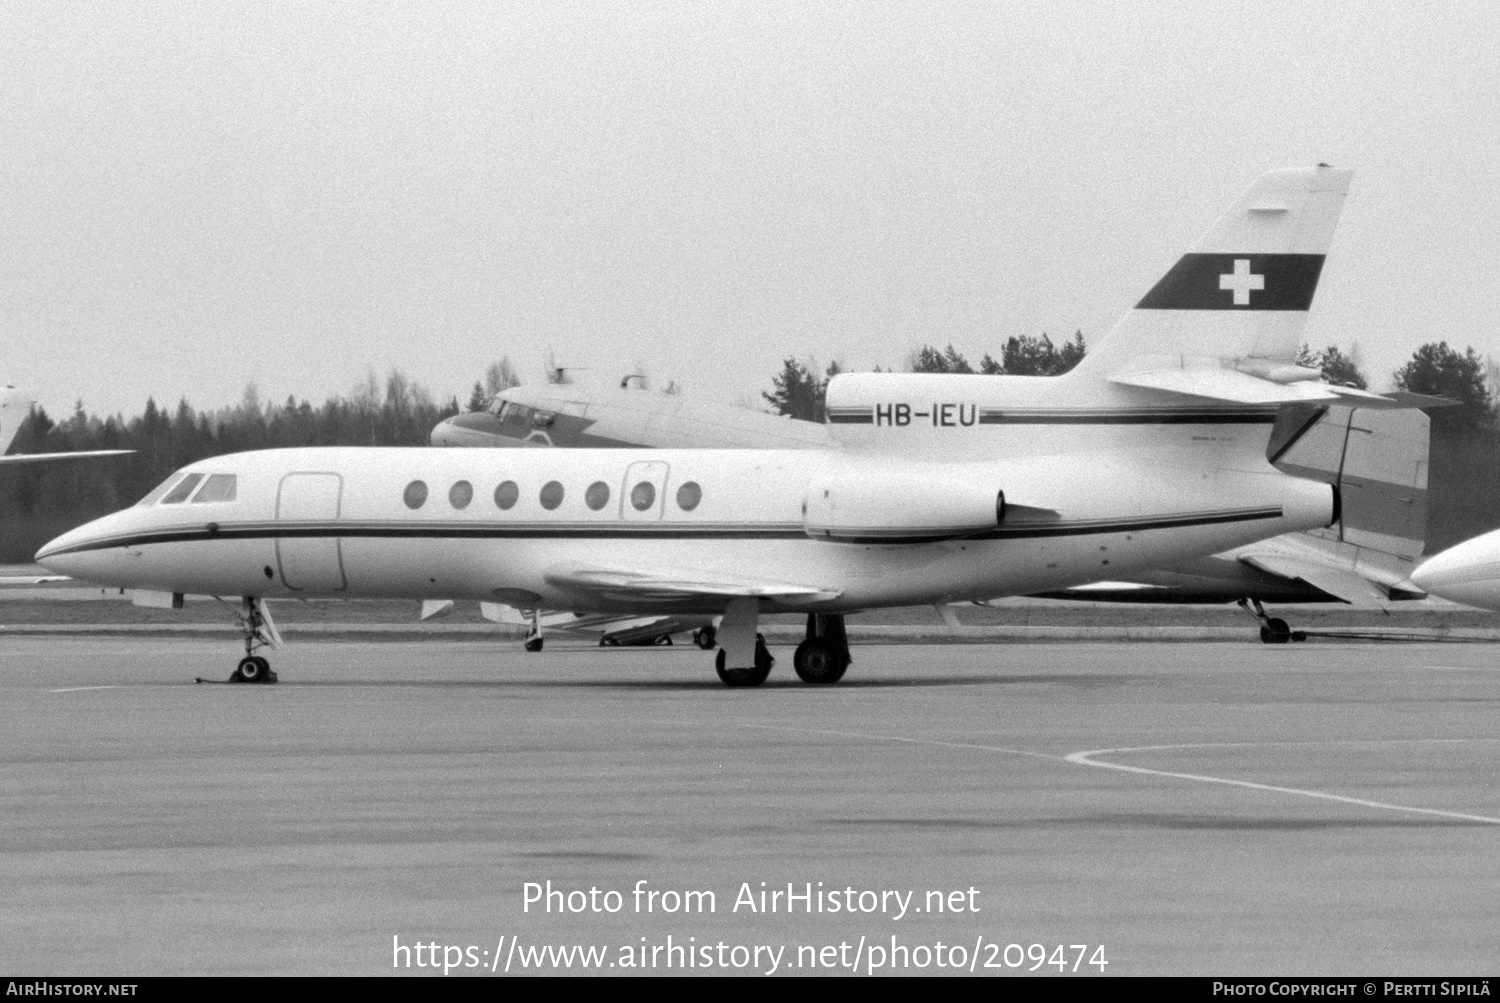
(218, 488)
(184, 487)
(497, 407)
(155, 495)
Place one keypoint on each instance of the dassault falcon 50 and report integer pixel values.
(1151, 451)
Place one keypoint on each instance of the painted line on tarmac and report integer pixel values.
(909, 741)
(1082, 759)
(80, 689)
(1085, 758)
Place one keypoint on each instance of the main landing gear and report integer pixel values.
(259, 631)
(752, 676)
(743, 660)
(824, 656)
(1273, 629)
(534, 637)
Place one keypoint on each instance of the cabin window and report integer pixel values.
(506, 495)
(218, 488)
(461, 494)
(597, 496)
(184, 488)
(689, 495)
(643, 496)
(552, 495)
(416, 494)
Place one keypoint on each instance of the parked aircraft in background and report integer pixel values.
(1378, 458)
(944, 488)
(15, 405)
(592, 415)
(1467, 572)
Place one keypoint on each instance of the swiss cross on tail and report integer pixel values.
(1237, 282)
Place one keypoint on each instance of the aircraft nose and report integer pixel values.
(77, 553)
(1467, 573)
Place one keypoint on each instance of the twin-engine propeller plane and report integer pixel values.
(1150, 452)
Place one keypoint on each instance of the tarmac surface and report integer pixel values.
(1215, 809)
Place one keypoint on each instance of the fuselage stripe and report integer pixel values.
(459, 531)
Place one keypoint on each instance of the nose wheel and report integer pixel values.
(259, 631)
(253, 669)
(1273, 629)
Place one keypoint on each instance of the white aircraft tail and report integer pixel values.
(15, 405)
(1226, 321)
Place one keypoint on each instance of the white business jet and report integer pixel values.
(946, 489)
(15, 405)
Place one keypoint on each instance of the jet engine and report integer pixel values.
(900, 507)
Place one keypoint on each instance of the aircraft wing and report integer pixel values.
(663, 584)
(50, 457)
(1347, 585)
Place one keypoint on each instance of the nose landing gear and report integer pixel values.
(1273, 629)
(259, 631)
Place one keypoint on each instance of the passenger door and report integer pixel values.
(310, 556)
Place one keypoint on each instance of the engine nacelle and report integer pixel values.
(904, 506)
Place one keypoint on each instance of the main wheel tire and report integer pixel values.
(533, 643)
(818, 662)
(1275, 631)
(745, 677)
(706, 637)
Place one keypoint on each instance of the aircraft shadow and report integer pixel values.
(712, 683)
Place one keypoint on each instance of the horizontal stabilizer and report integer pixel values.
(1226, 385)
(1242, 388)
(1344, 584)
(674, 584)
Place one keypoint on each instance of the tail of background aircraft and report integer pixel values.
(1379, 461)
(15, 405)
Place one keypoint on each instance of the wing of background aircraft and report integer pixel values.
(15, 405)
(55, 457)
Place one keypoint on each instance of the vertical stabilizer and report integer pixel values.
(15, 405)
(1239, 298)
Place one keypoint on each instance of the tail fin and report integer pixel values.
(1379, 460)
(15, 406)
(1239, 298)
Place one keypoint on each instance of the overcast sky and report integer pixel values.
(197, 196)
